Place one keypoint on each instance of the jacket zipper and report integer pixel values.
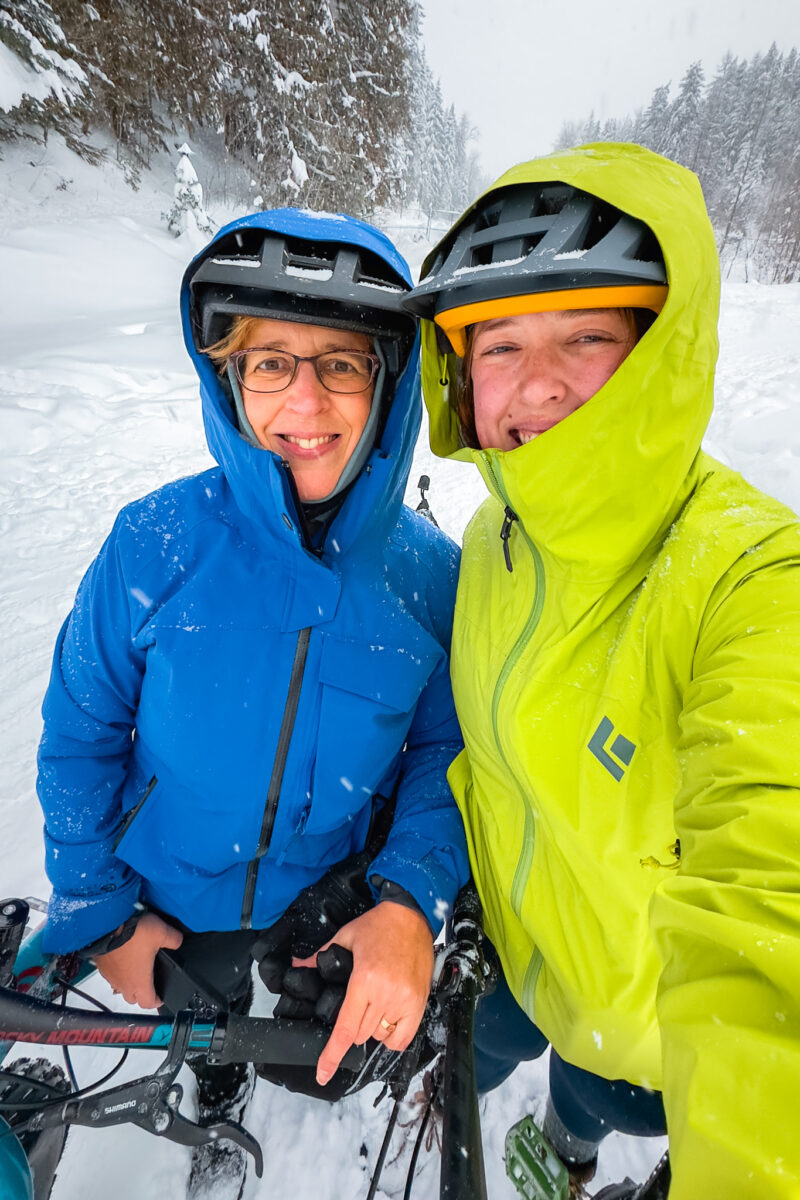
(522, 870)
(287, 723)
(133, 813)
(505, 534)
(276, 780)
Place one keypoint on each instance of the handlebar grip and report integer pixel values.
(279, 1041)
(463, 1173)
(467, 906)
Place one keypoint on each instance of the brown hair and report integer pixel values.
(465, 399)
(640, 320)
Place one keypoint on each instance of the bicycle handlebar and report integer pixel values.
(223, 1037)
(230, 1038)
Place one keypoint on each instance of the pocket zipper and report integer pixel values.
(133, 813)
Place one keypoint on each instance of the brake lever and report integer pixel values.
(189, 1133)
(152, 1103)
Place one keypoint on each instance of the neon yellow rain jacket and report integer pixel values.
(630, 701)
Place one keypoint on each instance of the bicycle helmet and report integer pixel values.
(258, 272)
(538, 247)
(255, 271)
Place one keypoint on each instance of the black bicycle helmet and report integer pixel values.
(537, 247)
(260, 272)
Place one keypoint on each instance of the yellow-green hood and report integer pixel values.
(623, 459)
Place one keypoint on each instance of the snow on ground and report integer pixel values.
(98, 405)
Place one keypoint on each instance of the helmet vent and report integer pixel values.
(241, 260)
(537, 238)
(512, 248)
(604, 219)
(320, 273)
(314, 260)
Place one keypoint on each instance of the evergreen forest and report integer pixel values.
(331, 104)
(740, 132)
(325, 103)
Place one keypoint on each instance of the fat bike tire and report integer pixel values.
(35, 1081)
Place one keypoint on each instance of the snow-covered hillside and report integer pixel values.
(98, 405)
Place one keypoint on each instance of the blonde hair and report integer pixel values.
(235, 339)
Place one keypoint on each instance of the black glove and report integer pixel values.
(341, 895)
(317, 993)
(314, 992)
(309, 922)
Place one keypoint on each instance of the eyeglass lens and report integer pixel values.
(274, 370)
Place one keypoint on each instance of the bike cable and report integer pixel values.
(384, 1150)
(417, 1147)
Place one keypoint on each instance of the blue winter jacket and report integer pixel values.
(224, 706)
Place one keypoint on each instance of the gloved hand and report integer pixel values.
(314, 992)
(341, 895)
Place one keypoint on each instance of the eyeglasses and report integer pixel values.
(347, 371)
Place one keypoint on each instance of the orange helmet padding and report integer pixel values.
(455, 321)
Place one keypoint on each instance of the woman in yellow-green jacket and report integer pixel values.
(626, 668)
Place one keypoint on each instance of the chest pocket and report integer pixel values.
(369, 697)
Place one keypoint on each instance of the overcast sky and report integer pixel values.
(520, 68)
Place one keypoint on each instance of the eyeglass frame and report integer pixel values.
(233, 359)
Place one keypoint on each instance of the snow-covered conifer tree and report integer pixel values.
(741, 134)
(42, 83)
(187, 212)
(685, 118)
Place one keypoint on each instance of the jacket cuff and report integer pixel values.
(74, 922)
(424, 876)
(387, 890)
(112, 941)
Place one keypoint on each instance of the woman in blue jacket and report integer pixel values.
(259, 653)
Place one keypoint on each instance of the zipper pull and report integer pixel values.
(505, 534)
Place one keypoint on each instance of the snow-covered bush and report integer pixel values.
(187, 212)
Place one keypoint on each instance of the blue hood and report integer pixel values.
(257, 477)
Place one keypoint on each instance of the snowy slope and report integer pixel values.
(98, 405)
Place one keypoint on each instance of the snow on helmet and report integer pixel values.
(538, 247)
(260, 272)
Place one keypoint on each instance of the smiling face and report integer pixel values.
(313, 429)
(529, 372)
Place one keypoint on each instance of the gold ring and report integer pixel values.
(389, 1026)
